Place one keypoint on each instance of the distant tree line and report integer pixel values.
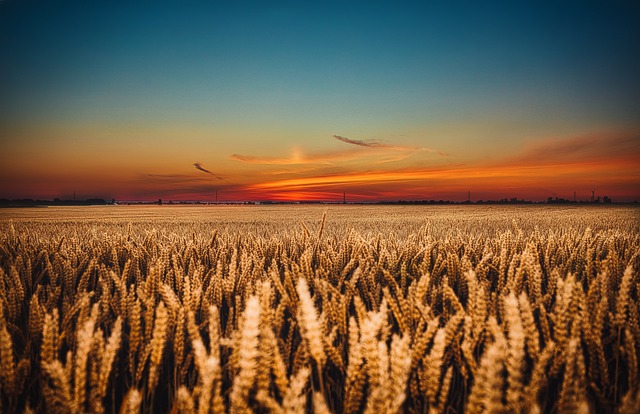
(26, 202)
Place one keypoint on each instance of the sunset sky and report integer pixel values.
(140, 100)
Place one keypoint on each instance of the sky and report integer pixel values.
(294, 101)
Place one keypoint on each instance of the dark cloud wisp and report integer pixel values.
(201, 168)
(371, 143)
(378, 144)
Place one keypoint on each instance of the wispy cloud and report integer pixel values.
(298, 157)
(363, 177)
(594, 147)
(250, 159)
(379, 144)
(201, 168)
(374, 150)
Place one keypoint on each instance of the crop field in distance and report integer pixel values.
(325, 309)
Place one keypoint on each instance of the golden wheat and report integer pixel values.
(312, 309)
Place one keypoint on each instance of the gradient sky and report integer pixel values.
(307, 100)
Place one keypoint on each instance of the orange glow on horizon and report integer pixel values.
(406, 183)
(609, 163)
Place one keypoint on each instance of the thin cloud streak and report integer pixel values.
(371, 143)
(250, 159)
(301, 159)
(376, 143)
(377, 150)
(594, 147)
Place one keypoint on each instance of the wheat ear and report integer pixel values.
(132, 402)
(157, 344)
(247, 357)
(84, 342)
(515, 356)
(311, 327)
(113, 345)
(400, 370)
(295, 399)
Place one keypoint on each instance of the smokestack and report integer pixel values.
(344, 198)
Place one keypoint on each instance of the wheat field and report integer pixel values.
(338, 309)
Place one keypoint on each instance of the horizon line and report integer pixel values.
(160, 201)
